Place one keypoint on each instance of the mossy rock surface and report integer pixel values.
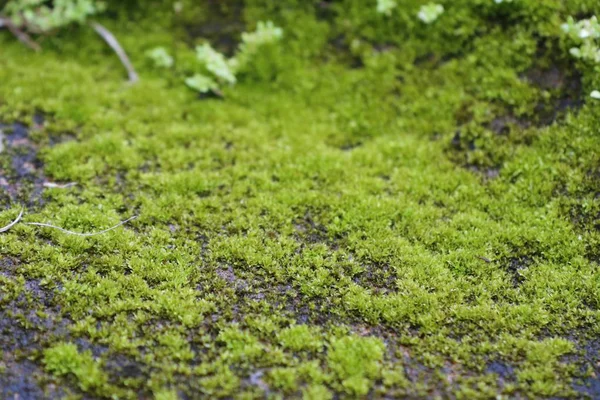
(379, 208)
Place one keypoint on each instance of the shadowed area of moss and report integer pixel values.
(379, 207)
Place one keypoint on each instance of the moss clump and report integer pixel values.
(379, 207)
(356, 362)
(64, 359)
(300, 337)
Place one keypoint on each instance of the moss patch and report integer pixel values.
(378, 208)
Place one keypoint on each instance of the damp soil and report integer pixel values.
(21, 171)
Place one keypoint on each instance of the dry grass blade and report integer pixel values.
(52, 185)
(78, 233)
(114, 44)
(16, 221)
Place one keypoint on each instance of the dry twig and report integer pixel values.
(81, 234)
(16, 221)
(110, 39)
(52, 185)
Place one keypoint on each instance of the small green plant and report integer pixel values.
(356, 361)
(40, 16)
(586, 35)
(386, 6)
(266, 33)
(166, 394)
(299, 337)
(217, 70)
(430, 12)
(160, 57)
(216, 64)
(64, 359)
(202, 83)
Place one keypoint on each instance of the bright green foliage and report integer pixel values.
(215, 63)
(160, 57)
(356, 361)
(299, 337)
(219, 70)
(378, 206)
(64, 359)
(166, 395)
(316, 392)
(40, 16)
(202, 83)
(266, 33)
(430, 12)
(586, 34)
(386, 6)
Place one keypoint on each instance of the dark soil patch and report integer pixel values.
(325, 10)
(28, 321)
(310, 231)
(588, 361)
(119, 366)
(558, 77)
(378, 277)
(487, 173)
(515, 267)
(504, 371)
(222, 26)
(519, 260)
(22, 177)
(583, 219)
(463, 145)
(21, 171)
(22, 379)
(561, 84)
(252, 290)
(341, 52)
(567, 93)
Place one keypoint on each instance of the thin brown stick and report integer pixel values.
(110, 39)
(19, 34)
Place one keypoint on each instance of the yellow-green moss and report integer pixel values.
(379, 207)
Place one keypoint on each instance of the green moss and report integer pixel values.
(222, 384)
(356, 362)
(379, 207)
(64, 359)
(316, 392)
(165, 394)
(300, 337)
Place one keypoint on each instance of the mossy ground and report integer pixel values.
(379, 208)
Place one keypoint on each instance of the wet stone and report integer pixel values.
(21, 171)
